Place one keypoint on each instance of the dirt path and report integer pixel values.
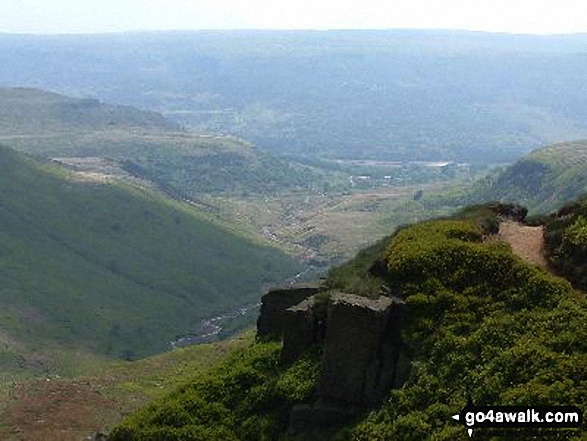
(526, 242)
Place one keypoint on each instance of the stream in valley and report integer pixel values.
(210, 329)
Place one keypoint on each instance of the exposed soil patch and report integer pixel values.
(526, 242)
(47, 409)
(56, 410)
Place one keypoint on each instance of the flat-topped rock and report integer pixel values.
(298, 286)
(377, 305)
(276, 301)
(361, 349)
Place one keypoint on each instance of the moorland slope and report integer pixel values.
(542, 180)
(115, 268)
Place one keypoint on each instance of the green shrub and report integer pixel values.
(480, 319)
(566, 242)
(246, 398)
(576, 234)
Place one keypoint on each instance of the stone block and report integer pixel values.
(361, 348)
(275, 302)
(300, 330)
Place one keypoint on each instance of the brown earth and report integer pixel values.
(64, 409)
(526, 242)
(54, 409)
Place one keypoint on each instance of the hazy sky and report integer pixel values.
(86, 16)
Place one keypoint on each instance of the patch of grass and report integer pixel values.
(101, 390)
(246, 398)
(156, 376)
(357, 276)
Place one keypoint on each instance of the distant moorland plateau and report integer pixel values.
(386, 95)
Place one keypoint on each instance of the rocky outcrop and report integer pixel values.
(274, 304)
(300, 330)
(363, 352)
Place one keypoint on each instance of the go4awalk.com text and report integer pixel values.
(519, 417)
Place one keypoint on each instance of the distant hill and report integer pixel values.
(115, 269)
(27, 111)
(146, 145)
(543, 180)
(384, 95)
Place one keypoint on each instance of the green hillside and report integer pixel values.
(146, 145)
(481, 322)
(543, 180)
(240, 400)
(97, 391)
(115, 269)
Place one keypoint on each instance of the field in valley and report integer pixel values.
(329, 228)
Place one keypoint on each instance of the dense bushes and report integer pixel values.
(366, 273)
(246, 398)
(566, 242)
(481, 320)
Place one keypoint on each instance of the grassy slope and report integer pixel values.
(481, 320)
(146, 144)
(116, 269)
(101, 391)
(242, 399)
(542, 180)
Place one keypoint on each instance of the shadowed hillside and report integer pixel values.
(115, 269)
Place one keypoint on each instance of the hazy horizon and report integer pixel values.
(526, 17)
(261, 30)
